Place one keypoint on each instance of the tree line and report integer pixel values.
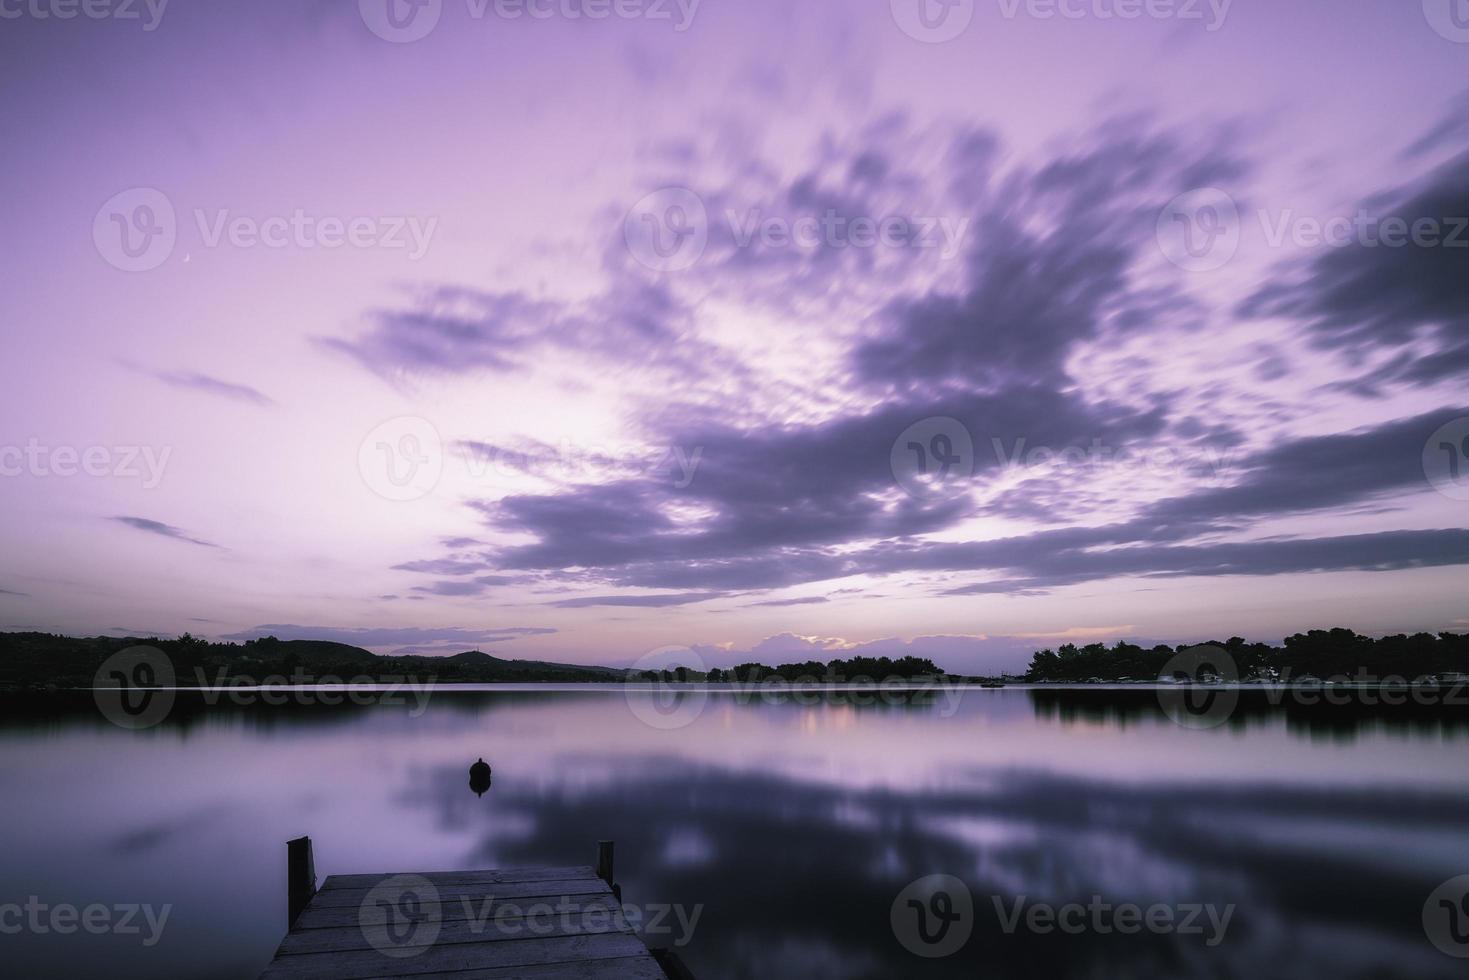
(1325, 654)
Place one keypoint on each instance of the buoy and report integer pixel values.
(479, 777)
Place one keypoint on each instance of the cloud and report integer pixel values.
(454, 330)
(441, 566)
(653, 601)
(475, 586)
(793, 489)
(809, 600)
(1409, 302)
(214, 386)
(159, 528)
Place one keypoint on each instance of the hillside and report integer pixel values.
(47, 660)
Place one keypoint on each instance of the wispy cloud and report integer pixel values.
(214, 386)
(653, 601)
(163, 530)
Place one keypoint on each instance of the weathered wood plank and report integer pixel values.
(453, 893)
(494, 928)
(336, 918)
(629, 968)
(365, 964)
(500, 875)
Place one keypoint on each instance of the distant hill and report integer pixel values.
(46, 660)
(476, 659)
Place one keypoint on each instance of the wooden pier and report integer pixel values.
(535, 923)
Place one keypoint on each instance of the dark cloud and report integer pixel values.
(441, 566)
(164, 530)
(1315, 473)
(810, 600)
(476, 586)
(1410, 300)
(457, 330)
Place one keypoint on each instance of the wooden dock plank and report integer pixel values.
(334, 918)
(498, 876)
(365, 964)
(532, 923)
(493, 928)
(626, 968)
(453, 894)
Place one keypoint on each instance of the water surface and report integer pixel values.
(791, 827)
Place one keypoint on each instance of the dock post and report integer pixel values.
(604, 860)
(300, 877)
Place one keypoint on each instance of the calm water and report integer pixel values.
(792, 828)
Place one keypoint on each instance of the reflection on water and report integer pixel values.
(795, 827)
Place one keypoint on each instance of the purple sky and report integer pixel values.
(574, 337)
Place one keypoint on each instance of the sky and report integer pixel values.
(574, 330)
